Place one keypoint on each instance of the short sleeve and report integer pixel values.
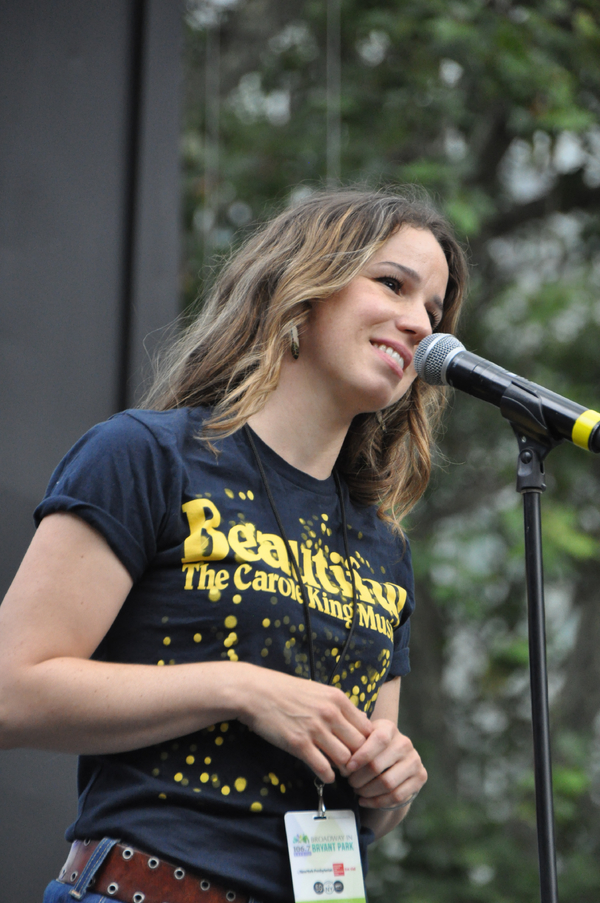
(114, 478)
(401, 657)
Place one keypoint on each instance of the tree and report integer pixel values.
(493, 106)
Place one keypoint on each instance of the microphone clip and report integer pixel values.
(523, 410)
(530, 463)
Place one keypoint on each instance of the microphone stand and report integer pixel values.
(525, 415)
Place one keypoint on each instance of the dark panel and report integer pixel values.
(64, 72)
(156, 245)
(65, 173)
(38, 800)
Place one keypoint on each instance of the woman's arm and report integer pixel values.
(387, 770)
(65, 596)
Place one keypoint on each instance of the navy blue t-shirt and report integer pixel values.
(212, 582)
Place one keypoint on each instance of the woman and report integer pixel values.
(196, 562)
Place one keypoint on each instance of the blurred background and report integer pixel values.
(493, 106)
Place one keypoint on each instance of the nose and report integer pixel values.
(414, 321)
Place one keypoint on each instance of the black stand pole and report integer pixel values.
(531, 484)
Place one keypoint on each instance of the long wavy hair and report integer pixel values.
(229, 357)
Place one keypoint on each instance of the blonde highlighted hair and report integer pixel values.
(229, 358)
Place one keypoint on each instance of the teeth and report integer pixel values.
(393, 354)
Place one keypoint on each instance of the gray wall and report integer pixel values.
(89, 110)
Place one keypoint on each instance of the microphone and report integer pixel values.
(441, 359)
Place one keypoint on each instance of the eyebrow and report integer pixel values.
(412, 274)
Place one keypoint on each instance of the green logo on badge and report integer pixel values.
(301, 845)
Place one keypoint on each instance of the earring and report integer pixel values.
(381, 421)
(295, 342)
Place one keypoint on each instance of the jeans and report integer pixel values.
(59, 893)
(56, 892)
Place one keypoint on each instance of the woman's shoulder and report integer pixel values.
(133, 441)
(133, 429)
(160, 424)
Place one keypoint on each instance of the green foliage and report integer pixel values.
(493, 106)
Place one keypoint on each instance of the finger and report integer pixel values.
(386, 781)
(318, 763)
(322, 754)
(336, 752)
(388, 761)
(387, 767)
(344, 720)
(393, 786)
(376, 752)
(355, 717)
(350, 737)
(400, 796)
(339, 741)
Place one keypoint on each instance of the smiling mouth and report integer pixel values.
(391, 353)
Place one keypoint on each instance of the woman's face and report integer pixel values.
(359, 343)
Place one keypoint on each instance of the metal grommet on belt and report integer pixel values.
(127, 853)
(87, 842)
(179, 874)
(112, 888)
(139, 897)
(153, 862)
(73, 876)
(230, 895)
(204, 884)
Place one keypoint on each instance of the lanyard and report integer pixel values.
(294, 563)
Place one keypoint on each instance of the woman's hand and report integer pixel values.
(386, 772)
(313, 721)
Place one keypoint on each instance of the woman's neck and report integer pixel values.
(299, 427)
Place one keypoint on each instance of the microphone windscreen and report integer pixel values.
(431, 355)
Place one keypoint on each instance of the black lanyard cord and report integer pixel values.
(340, 660)
(294, 563)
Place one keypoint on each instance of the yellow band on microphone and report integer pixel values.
(583, 426)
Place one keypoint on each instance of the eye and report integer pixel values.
(392, 283)
(435, 318)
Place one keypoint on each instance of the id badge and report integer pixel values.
(325, 856)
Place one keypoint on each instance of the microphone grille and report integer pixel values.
(431, 355)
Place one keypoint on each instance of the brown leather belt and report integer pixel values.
(132, 876)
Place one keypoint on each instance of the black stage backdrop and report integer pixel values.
(89, 187)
